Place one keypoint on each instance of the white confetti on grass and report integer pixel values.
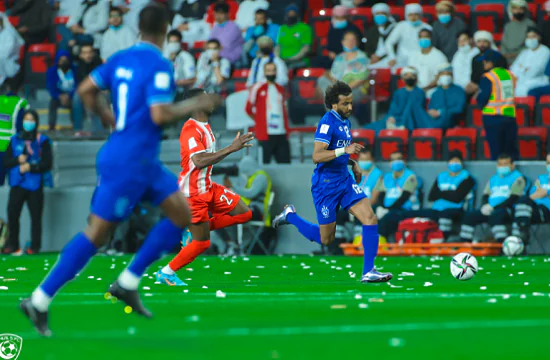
(426, 284)
(193, 318)
(538, 294)
(505, 296)
(525, 283)
(227, 273)
(246, 259)
(207, 266)
(148, 294)
(205, 287)
(260, 267)
(131, 330)
(363, 306)
(254, 277)
(338, 307)
(146, 288)
(90, 277)
(310, 274)
(396, 342)
(220, 294)
(492, 301)
(186, 291)
(358, 296)
(3, 288)
(483, 288)
(523, 296)
(404, 273)
(348, 266)
(520, 273)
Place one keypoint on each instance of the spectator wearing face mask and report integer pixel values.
(530, 65)
(29, 161)
(266, 104)
(131, 10)
(266, 55)
(400, 114)
(60, 82)
(405, 36)
(228, 34)
(87, 62)
(515, 31)
(212, 68)
(294, 40)
(117, 37)
(484, 42)
(462, 60)
(247, 10)
(261, 28)
(446, 28)
(184, 62)
(377, 34)
(339, 26)
(426, 62)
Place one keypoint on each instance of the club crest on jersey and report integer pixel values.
(10, 346)
(325, 212)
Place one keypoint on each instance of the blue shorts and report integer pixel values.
(118, 192)
(330, 192)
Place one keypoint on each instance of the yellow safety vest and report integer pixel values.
(267, 216)
(501, 101)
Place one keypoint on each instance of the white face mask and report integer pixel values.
(173, 47)
(445, 80)
(212, 52)
(531, 43)
(465, 48)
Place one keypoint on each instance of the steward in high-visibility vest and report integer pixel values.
(496, 98)
(257, 190)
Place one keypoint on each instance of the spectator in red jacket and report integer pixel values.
(266, 105)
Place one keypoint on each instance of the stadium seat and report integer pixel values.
(485, 20)
(532, 142)
(398, 12)
(38, 59)
(545, 99)
(483, 152)
(382, 84)
(498, 8)
(363, 11)
(14, 20)
(61, 20)
(364, 137)
(542, 117)
(425, 144)
(533, 9)
(463, 11)
(429, 13)
(461, 139)
(303, 94)
(525, 107)
(320, 24)
(390, 141)
(473, 118)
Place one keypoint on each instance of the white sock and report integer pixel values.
(40, 300)
(167, 270)
(129, 281)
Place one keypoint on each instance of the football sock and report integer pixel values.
(220, 222)
(160, 240)
(188, 254)
(167, 270)
(308, 230)
(370, 246)
(74, 256)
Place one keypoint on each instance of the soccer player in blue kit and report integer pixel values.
(332, 186)
(142, 90)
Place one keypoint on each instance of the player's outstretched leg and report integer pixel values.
(289, 216)
(363, 212)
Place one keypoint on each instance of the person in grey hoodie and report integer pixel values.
(515, 31)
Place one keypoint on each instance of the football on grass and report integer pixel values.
(512, 246)
(463, 266)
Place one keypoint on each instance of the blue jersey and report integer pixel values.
(137, 78)
(334, 131)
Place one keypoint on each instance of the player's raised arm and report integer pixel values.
(163, 114)
(205, 159)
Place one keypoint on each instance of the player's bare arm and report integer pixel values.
(356, 170)
(322, 155)
(203, 160)
(163, 114)
(95, 102)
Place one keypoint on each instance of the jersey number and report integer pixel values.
(357, 189)
(225, 198)
(122, 104)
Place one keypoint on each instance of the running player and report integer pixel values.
(332, 186)
(129, 170)
(198, 155)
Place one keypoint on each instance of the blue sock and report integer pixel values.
(160, 240)
(308, 230)
(74, 256)
(370, 246)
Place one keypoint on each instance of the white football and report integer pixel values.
(463, 266)
(512, 246)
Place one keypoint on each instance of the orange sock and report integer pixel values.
(220, 222)
(188, 254)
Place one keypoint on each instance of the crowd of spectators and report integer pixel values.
(251, 33)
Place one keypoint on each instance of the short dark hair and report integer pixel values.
(116, 9)
(366, 150)
(398, 152)
(261, 12)
(464, 32)
(425, 30)
(332, 95)
(34, 114)
(505, 156)
(221, 7)
(153, 20)
(194, 93)
(455, 154)
(175, 33)
(214, 41)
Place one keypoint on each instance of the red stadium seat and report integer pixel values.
(474, 115)
(199, 45)
(425, 144)
(545, 99)
(485, 20)
(382, 84)
(304, 99)
(461, 139)
(532, 142)
(363, 136)
(398, 12)
(483, 152)
(430, 14)
(240, 74)
(498, 8)
(390, 141)
(363, 11)
(38, 59)
(533, 9)
(525, 107)
(14, 20)
(543, 114)
(61, 20)
(320, 25)
(463, 11)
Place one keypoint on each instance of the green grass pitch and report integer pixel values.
(291, 307)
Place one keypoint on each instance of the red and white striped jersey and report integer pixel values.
(196, 137)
